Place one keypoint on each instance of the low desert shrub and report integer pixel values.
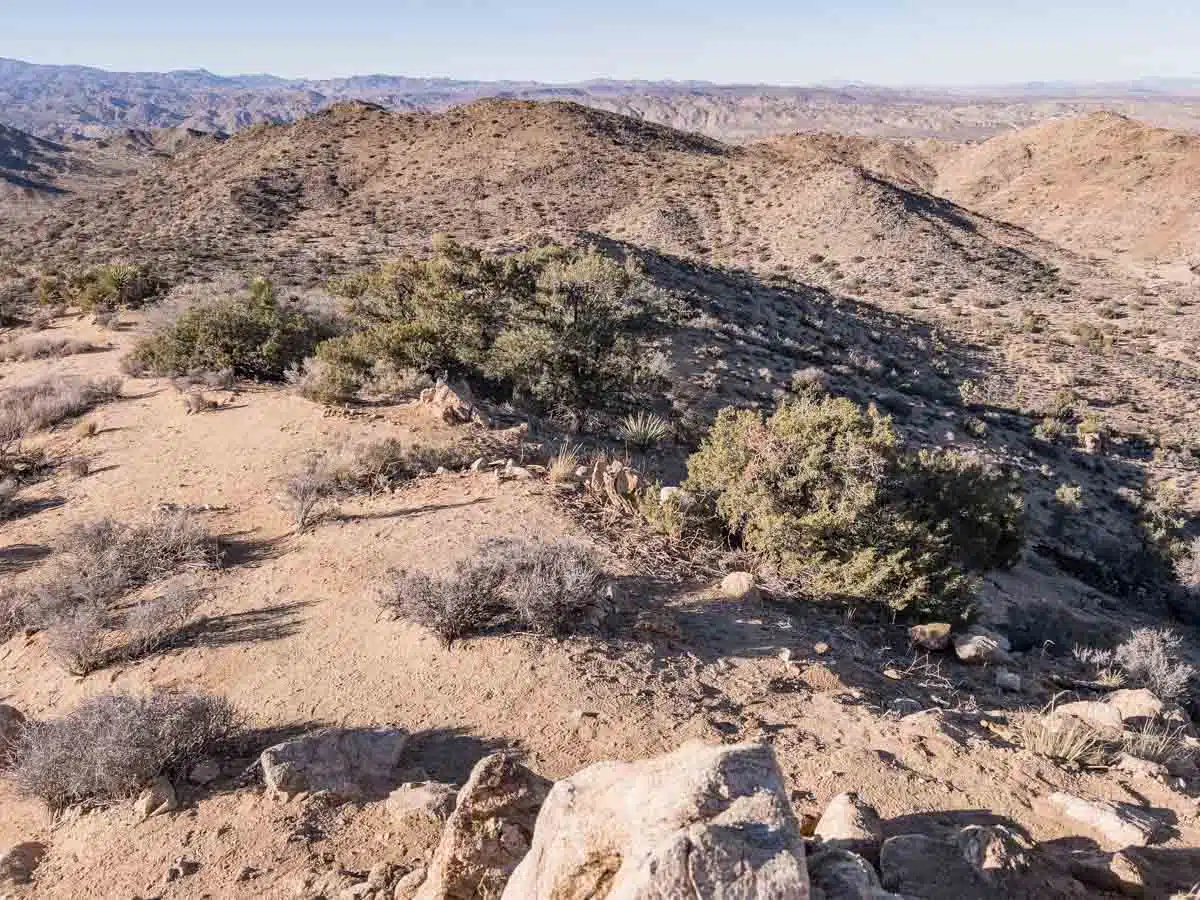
(1151, 658)
(824, 491)
(548, 587)
(99, 562)
(109, 287)
(255, 335)
(45, 402)
(113, 745)
(43, 348)
(454, 606)
(306, 488)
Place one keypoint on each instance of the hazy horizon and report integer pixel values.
(903, 43)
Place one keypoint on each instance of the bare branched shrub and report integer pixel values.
(43, 348)
(305, 489)
(34, 405)
(1151, 658)
(113, 745)
(453, 606)
(9, 503)
(549, 586)
(99, 562)
(81, 638)
(153, 624)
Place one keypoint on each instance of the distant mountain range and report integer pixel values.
(59, 102)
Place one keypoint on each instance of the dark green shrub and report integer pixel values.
(825, 492)
(255, 336)
(108, 287)
(550, 326)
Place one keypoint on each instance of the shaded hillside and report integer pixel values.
(1104, 184)
(356, 183)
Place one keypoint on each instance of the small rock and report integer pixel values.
(1008, 681)
(408, 885)
(1143, 768)
(933, 636)
(850, 824)
(786, 654)
(357, 891)
(346, 763)
(159, 797)
(820, 648)
(981, 646)
(993, 850)
(246, 873)
(19, 863)
(181, 868)
(920, 866)
(205, 772)
(11, 725)
(1136, 707)
(1120, 824)
(520, 473)
(477, 465)
(1099, 715)
(381, 875)
(739, 586)
(842, 875)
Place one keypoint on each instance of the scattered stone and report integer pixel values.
(11, 724)
(381, 876)
(488, 833)
(683, 499)
(920, 866)
(205, 772)
(842, 875)
(849, 823)
(1112, 872)
(979, 646)
(346, 763)
(357, 891)
(739, 586)
(934, 636)
(477, 465)
(181, 868)
(820, 648)
(18, 864)
(1008, 681)
(993, 850)
(1136, 707)
(520, 473)
(708, 822)
(786, 654)
(408, 885)
(1119, 824)
(1142, 768)
(1099, 715)
(420, 811)
(454, 403)
(158, 797)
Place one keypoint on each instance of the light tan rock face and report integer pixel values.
(702, 822)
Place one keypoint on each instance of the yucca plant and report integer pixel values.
(643, 430)
(1155, 742)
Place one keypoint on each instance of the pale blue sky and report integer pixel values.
(798, 42)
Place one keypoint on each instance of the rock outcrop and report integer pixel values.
(702, 822)
(488, 833)
(347, 763)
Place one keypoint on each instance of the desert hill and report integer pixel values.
(1104, 184)
(356, 182)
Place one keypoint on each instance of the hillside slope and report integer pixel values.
(1104, 184)
(356, 183)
